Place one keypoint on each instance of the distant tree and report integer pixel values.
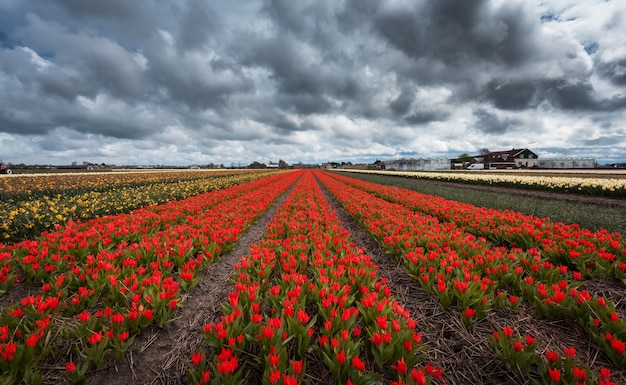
(257, 165)
(484, 151)
(282, 163)
(465, 157)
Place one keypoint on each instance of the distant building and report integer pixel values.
(417, 164)
(515, 158)
(525, 158)
(567, 163)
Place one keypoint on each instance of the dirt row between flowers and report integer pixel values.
(161, 356)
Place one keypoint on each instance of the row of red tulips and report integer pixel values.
(306, 292)
(552, 368)
(100, 233)
(552, 301)
(471, 273)
(99, 283)
(589, 252)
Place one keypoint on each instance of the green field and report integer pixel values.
(591, 216)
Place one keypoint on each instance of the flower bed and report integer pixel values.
(591, 253)
(469, 272)
(305, 291)
(28, 213)
(98, 284)
(609, 187)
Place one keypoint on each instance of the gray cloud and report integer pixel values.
(421, 117)
(489, 123)
(455, 32)
(230, 82)
(614, 70)
(401, 104)
(514, 95)
(199, 23)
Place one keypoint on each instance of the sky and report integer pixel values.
(193, 82)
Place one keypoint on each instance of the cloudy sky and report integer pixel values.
(237, 81)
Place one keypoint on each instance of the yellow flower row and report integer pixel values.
(34, 183)
(613, 187)
(26, 219)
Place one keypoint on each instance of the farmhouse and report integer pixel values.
(514, 158)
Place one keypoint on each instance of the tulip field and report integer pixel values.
(31, 204)
(591, 184)
(306, 304)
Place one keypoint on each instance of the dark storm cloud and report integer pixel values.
(65, 85)
(489, 123)
(566, 94)
(17, 62)
(120, 9)
(419, 118)
(198, 25)
(614, 70)
(407, 109)
(453, 32)
(132, 23)
(284, 124)
(12, 122)
(126, 22)
(572, 95)
(106, 125)
(196, 83)
(96, 61)
(304, 82)
(402, 104)
(580, 95)
(514, 95)
(606, 141)
(73, 117)
(286, 59)
(299, 18)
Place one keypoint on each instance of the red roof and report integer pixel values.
(505, 156)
